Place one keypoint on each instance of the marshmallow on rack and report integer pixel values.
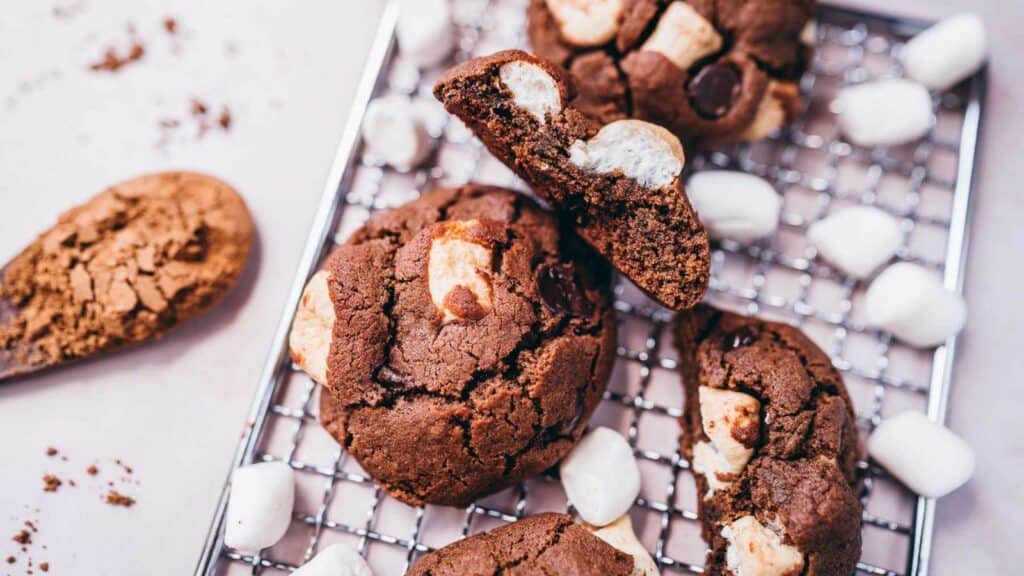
(885, 112)
(945, 54)
(734, 205)
(600, 476)
(911, 303)
(394, 132)
(260, 506)
(857, 240)
(927, 457)
(620, 535)
(425, 31)
(336, 560)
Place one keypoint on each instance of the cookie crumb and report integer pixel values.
(92, 470)
(171, 25)
(22, 537)
(51, 451)
(31, 526)
(51, 483)
(10, 559)
(128, 469)
(72, 483)
(115, 498)
(44, 566)
(113, 62)
(225, 118)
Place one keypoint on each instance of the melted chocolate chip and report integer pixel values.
(743, 336)
(560, 290)
(714, 90)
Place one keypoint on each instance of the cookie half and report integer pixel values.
(463, 341)
(618, 184)
(770, 433)
(541, 544)
(712, 71)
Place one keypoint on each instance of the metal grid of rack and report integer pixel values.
(926, 185)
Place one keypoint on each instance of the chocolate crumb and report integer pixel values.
(171, 25)
(126, 467)
(225, 118)
(115, 498)
(199, 107)
(23, 537)
(112, 61)
(51, 451)
(11, 559)
(92, 470)
(51, 483)
(44, 566)
(31, 526)
(71, 482)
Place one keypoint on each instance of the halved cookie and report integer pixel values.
(619, 184)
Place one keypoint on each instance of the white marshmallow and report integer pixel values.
(683, 36)
(600, 476)
(756, 550)
(394, 132)
(722, 414)
(309, 342)
(948, 52)
(336, 560)
(911, 303)
(927, 457)
(620, 535)
(455, 261)
(260, 506)
(642, 151)
(771, 111)
(809, 34)
(586, 22)
(857, 240)
(425, 31)
(713, 465)
(533, 89)
(885, 112)
(734, 205)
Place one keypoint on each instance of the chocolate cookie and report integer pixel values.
(770, 434)
(711, 71)
(468, 339)
(541, 544)
(617, 184)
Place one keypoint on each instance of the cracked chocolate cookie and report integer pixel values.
(713, 72)
(541, 544)
(618, 184)
(770, 433)
(463, 341)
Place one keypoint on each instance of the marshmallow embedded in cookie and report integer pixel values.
(335, 560)
(586, 22)
(683, 36)
(757, 550)
(458, 271)
(735, 205)
(857, 240)
(948, 52)
(927, 457)
(533, 89)
(642, 151)
(309, 342)
(394, 132)
(774, 111)
(424, 30)
(620, 535)
(260, 506)
(600, 476)
(885, 112)
(911, 303)
(731, 421)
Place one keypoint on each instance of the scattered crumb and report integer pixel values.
(128, 469)
(72, 483)
(11, 559)
(92, 470)
(31, 526)
(51, 451)
(171, 25)
(225, 118)
(51, 483)
(23, 537)
(198, 107)
(115, 498)
(112, 61)
(44, 566)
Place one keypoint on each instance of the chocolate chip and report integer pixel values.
(560, 290)
(743, 336)
(714, 90)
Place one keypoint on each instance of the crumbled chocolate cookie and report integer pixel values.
(463, 345)
(712, 71)
(618, 184)
(770, 433)
(541, 544)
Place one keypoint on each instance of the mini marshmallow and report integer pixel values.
(756, 550)
(533, 89)
(927, 457)
(600, 476)
(394, 132)
(771, 111)
(620, 535)
(425, 32)
(309, 342)
(336, 560)
(260, 506)
(643, 151)
(456, 265)
(857, 240)
(885, 112)
(911, 303)
(586, 23)
(734, 205)
(683, 36)
(948, 52)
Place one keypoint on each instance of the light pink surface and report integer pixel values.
(174, 410)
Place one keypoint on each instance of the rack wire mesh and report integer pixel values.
(925, 184)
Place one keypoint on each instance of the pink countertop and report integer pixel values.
(174, 410)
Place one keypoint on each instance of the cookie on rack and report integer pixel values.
(618, 184)
(770, 433)
(541, 544)
(713, 72)
(463, 340)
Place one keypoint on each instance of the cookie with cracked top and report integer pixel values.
(770, 433)
(463, 341)
(541, 544)
(618, 184)
(713, 72)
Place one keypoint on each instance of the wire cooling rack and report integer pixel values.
(926, 184)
